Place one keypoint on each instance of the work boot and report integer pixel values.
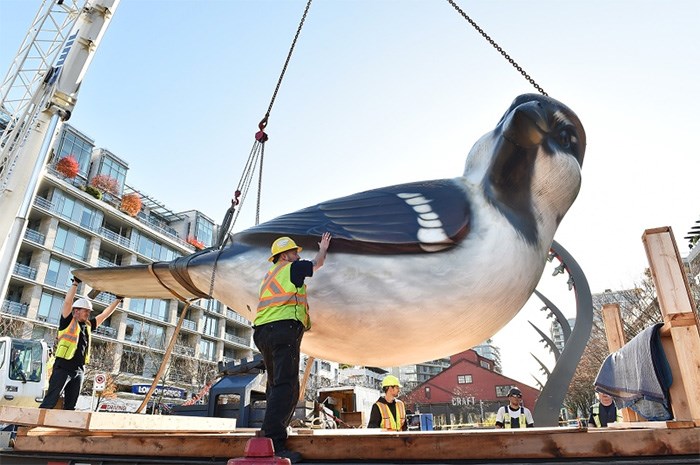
(293, 456)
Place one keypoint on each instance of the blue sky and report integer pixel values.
(382, 92)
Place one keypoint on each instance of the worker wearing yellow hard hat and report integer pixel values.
(389, 413)
(279, 325)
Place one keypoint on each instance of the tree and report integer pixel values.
(105, 184)
(131, 204)
(68, 166)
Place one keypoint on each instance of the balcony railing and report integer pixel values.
(114, 237)
(106, 331)
(189, 324)
(14, 308)
(43, 203)
(236, 317)
(162, 228)
(101, 262)
(236, 339)
(24, 271)
(34, 236)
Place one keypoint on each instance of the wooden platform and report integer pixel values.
(363, 444)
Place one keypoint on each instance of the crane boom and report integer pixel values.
(31, 129)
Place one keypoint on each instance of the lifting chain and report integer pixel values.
(497, 47)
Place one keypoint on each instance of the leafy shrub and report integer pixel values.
(131, 204)
(68, 166)
(93, 192)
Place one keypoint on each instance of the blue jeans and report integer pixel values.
(67, 381)
(280, 342)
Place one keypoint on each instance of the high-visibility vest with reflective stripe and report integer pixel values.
(68, 341)
(596, 414)
(388, 420)
(521, 418)
(280, 299)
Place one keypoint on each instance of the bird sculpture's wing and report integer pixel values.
(425, 216)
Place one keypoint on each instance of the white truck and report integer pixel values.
(23, 373)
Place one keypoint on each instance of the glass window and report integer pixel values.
(211, 326)
(153, 308)
(114, 169)
(77, 211)
(204, 230)
(145, 334)
(131, 362)
(151, 249)
(485, 364)
(50, 308)
(502, 391)
(59, 273)
(206, 349)
(25, 361)
(81, 149)
(464, 379)
(72, 243)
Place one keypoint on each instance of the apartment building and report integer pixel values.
(80, 221)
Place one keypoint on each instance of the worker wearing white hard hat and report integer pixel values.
(72, 351)
(389, 413)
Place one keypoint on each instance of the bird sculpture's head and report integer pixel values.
(529, 166)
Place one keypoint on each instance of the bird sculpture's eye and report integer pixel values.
(564, 138)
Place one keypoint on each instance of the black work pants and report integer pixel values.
(280, 342)
(68, 382)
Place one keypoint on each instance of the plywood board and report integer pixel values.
(105, 421)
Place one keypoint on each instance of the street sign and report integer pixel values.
(100, 382)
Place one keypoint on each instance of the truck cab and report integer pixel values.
(23, 373)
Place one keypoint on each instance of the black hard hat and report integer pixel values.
(515, 392)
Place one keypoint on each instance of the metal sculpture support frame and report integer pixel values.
(546, 411)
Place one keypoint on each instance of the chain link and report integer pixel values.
(289, 56)
(497, 47)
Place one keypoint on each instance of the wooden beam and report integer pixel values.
(108, 422)
(680, 322)
(493, 445)
(615, 334)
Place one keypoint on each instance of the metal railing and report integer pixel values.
(43, 203)
(14, 308)
(34, 236)
(114, 237)
(24, 271)
(101, 262)
(189, 324)
(236, 339)
(106, 331)
(231, 315)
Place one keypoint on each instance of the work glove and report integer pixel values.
(76, 280)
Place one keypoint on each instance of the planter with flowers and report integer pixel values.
(199, 245)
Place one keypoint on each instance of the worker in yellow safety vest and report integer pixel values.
(514, 415)
(389, 413)
(280, 322)
(72, 351)
(604, 411)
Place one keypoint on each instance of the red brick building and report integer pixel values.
(467, 392)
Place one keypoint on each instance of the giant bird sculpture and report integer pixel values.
(415, 271)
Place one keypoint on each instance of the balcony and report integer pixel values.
(44, 203)
(14, 308)
(106, 331)
(236, 317)
(24, 271)
(162, 228)
(189, 324)
(236, 339)
(105, 297)
(102, 263)
(34, 236)
(114, 237)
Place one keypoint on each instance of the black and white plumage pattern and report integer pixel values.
(415, 271)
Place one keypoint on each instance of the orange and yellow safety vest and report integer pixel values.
(388, 421)
(280, 299)
(68, 341)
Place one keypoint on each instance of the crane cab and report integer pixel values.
(23, 373)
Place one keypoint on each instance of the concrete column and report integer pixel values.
(94, 250)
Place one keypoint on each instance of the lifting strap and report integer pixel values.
(497, 47)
